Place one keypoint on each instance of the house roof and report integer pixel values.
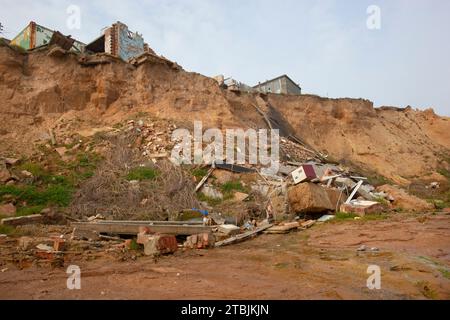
(282, 76)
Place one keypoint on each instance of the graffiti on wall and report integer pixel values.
(130, 44)
(23, 39)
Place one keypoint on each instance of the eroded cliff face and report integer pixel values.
(39, 92)
(400, 144)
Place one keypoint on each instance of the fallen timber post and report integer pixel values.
(242, 236)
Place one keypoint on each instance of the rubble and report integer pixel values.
(229, 229)
(363, 207)
(305, 184)
(157, 244)
(405, 201)
(305, 173)
(200, 241)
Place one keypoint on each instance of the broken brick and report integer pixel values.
(59, 244)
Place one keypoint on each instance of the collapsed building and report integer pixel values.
(116, 40)
(119, 41)
(36, 36)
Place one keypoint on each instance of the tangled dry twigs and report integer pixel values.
(110, 194)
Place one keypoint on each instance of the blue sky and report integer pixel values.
(324, 45)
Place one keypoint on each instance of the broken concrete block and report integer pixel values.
(80, 234)
(160, 244)
(200, 241)
(336, 197)
(229, 229)
(303, 174)
(19, 221)
(25, 243)
(143, 238)
(362, 208)
(309, 198)
(8, 210)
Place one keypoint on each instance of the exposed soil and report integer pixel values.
(319, 263)
(40, 92)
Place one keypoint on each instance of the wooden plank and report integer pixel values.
(133, 228)
(20, 221)
(242, 236)
(202, 182)
(286, 228)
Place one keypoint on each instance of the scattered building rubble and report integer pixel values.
(306, 190)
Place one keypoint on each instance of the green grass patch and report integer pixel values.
(142, 173)
(444, 172)
(375, 217)
(53, 195)
(445, 273)
(36, 169)
(341, 216)
(381, 200)
(134, 245)
(199, 172)
(6, 229)
(230, 187)
(28, 211)
(210, 201)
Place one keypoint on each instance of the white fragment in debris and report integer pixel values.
(362, 248)
(44, 247)
(326, 218)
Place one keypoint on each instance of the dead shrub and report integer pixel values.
(110, 194)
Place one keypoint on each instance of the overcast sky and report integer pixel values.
(324, 45)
